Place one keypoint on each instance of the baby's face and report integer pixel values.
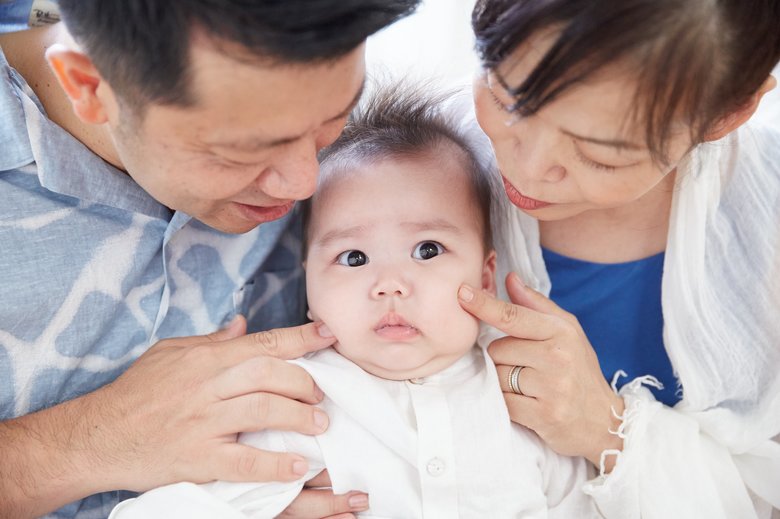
(388, 248)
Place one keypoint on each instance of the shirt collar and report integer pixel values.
(65, 165)
(13, 133)
(466, 367)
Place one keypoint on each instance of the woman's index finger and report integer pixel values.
(515, 320)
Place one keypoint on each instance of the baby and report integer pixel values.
(400, 219)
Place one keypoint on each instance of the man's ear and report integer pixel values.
(80, 80)
(489, 273)
(738, 117)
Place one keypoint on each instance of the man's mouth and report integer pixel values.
(261, 214)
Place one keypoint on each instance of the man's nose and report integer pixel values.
(293, 176)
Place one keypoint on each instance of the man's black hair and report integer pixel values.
(141, 47)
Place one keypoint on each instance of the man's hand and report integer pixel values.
(173, 415)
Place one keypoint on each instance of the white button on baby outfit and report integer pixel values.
(435, 467)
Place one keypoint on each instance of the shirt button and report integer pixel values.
(417, 381)
(435, 467)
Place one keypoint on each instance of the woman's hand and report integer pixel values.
(318, 501)
(565, 398)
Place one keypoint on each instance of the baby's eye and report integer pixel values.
(352, 258)
(426, 250)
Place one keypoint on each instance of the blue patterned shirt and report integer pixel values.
(95, 271)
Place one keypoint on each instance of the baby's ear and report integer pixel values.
(489, 273)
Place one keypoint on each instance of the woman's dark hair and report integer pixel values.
(400, 121)
(695, 60)
(141, 47)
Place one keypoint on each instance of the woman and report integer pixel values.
(649, 212)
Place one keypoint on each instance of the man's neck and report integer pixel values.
(25, 52)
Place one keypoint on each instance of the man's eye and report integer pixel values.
(427, 249)
(352, 258)
(224, 162)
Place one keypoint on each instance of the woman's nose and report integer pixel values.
(537, 155)
(532, 152)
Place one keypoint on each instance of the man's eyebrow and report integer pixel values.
(255, 145)
(352, 104)
(612, 143)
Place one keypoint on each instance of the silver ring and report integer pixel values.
(514, 380)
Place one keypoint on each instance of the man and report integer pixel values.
(138, 161)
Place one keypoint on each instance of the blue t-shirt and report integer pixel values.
(619, 307)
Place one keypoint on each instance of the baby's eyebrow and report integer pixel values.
(361, 230)
(432, 225)
(340, 234)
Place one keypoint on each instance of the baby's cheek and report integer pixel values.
(461, 327)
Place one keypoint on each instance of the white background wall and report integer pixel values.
(435, 41)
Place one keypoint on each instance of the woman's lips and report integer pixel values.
(520, 200)
(261, 214)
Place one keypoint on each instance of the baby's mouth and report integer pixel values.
(393, 326)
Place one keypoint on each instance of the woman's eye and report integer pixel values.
(592, 163)
(598, 165)
(426, 250)
(352, 258)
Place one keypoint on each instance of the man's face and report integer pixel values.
(247, 149)
(389, 245)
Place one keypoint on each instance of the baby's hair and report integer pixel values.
(695, 61)
(404, 121)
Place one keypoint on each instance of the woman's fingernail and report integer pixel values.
(517, 282)
(358, 501)
(324, 331)
(300, 467)
(320, 420)
(516, 279)
(465, 293)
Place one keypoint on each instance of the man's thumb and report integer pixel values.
(235, 328)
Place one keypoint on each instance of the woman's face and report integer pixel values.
(581, 152)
